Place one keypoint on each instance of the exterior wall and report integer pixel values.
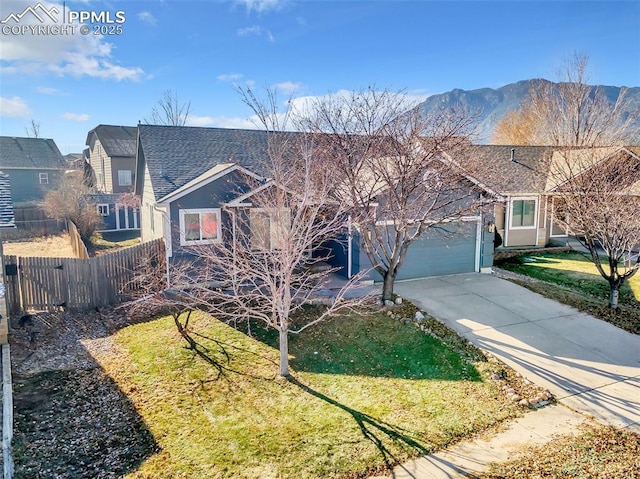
(25, 184)
(522, 236)
(151, 219)
(121, 218)
(101, 165)
(212, 195)
(122, 163)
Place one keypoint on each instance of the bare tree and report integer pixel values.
(391, 166)
(568, 113)
(169, 110)
(596, 196)
(270, 265)
(33, 130)
(69, 201)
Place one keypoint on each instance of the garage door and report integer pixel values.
(448, 251)
(445, 250)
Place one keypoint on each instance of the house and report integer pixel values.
(190, 180)
(34, 167)
(525, 179)
(111, 155)
(186, 176)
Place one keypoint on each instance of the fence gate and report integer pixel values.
(48, 284)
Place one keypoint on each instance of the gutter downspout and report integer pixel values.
(349, 248)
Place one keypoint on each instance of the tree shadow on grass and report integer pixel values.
(379, 433)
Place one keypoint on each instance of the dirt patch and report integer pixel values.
(48, 247)
(71, 419)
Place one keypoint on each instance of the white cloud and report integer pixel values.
(222, 122)
(45, 90)
(230, 77)
(65, 54)
(13, 107)
(79, 117)
(261, 6)
(147, 17)
(253, 30)
(257, 31)
(288, 88)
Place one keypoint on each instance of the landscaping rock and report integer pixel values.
(524, 402)
(388, 303)
(398, 300)
(419, 316)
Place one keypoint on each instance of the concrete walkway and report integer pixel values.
(589, 365)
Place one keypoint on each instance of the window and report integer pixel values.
(43, 178)
(200, 226)
(103, 209)
(523, 213)
(269, 229)
(124, 177)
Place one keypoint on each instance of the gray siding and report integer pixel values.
(213, 195)
(26, 187)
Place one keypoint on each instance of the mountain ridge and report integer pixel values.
(490, 104)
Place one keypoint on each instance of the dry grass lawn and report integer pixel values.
(49, 247)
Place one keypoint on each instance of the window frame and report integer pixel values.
(512, 202)
(99, 209)
(130, 178)
(199, 211)
(43, 176)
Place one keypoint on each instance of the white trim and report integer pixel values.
(102, 205)
(204, 179)
(43, 176)
(536, 200)
(478, 253)
(200, 211)
(349, 248)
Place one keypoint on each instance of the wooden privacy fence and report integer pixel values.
(78, 246)
(51, 284)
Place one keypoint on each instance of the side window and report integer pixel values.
(103, 209)
(200, 226)
(124, 178)
(43, 178)
(523, 213)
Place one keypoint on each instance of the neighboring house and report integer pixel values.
(111, 155)
(192, 180)
(524, 179)
(75, 161)
(34, 167)
(116, 217)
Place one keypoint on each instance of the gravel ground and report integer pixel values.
(71, 419)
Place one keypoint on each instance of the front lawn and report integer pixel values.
(368, 392)
(571, 278)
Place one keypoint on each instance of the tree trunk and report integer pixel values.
(284, 352)
(387, 286)
(614, 292)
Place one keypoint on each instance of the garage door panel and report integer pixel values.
(445, 250)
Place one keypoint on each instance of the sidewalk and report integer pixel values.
(535, 428)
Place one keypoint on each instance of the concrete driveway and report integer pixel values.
(589, 365)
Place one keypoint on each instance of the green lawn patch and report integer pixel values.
(573, 279)
(367, 393)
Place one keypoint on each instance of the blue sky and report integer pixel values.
(69, 83)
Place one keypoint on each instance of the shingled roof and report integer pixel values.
(176, 155)
(116, 140)
(508, 169)
(6, 206)
(30, 153)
